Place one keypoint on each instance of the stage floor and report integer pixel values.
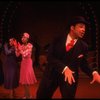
(84, 91)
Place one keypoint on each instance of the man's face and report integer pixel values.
(79, 30)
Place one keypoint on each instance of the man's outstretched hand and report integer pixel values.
(69, 76)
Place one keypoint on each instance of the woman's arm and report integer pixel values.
(7, 51)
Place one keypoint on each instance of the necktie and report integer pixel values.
(70, 45)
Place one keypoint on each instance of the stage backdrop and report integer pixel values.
(45, 20)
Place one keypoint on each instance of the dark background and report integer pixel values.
(45, 20)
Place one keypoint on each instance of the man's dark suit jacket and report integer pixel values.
(58, 57)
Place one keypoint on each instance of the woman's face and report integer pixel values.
(11, 42)
(24, 39)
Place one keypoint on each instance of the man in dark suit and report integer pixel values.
(64, 60)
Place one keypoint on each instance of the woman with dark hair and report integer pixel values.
(10, 67)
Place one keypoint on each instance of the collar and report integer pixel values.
(69, 39)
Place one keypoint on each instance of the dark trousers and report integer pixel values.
(49, 84)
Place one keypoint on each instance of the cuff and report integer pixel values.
(94, 72)
(64, 69)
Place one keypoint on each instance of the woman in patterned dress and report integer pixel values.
(27, 75)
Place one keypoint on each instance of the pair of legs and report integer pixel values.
(27, 93)
(12, 93)
(49, 84)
